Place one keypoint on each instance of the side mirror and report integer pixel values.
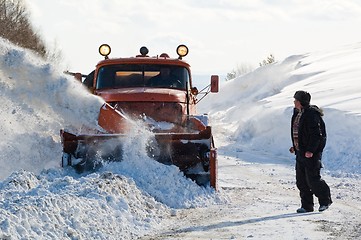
(214, 83)
(213, 87)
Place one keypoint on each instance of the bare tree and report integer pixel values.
(239, 71)
(16, 27)
(270, 59)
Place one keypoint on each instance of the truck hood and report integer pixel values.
(142, 94)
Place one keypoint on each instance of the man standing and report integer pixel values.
(308, 135)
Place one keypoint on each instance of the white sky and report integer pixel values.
(221, 34)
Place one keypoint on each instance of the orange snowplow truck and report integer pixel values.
(159, 91)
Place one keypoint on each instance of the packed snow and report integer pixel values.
(140, 198)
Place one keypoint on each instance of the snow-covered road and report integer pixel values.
(262, 203)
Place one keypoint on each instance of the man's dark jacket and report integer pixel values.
(311, 132)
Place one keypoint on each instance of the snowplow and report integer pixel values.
(158, 90)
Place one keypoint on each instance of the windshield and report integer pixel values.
(135, 75)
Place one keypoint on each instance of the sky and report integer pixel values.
(222, 35)
(250, 118)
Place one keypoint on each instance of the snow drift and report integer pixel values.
(256, 108)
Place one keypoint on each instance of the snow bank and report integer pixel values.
(255, 109)
(53, 205)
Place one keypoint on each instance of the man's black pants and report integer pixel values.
(309, 181)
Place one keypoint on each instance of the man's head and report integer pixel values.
(303, 97)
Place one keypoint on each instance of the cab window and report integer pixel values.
(150, 75)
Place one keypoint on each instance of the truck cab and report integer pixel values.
(158, 87)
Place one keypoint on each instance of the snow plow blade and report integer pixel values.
(193, 152)
(188, 151)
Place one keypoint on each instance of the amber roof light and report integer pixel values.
(104, 50)
(182, 51)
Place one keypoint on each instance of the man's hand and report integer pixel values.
(292, 150)
(308, 154)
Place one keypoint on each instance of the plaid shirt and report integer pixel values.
(295, 126)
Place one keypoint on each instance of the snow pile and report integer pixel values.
(255, 110)
(55, 206)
